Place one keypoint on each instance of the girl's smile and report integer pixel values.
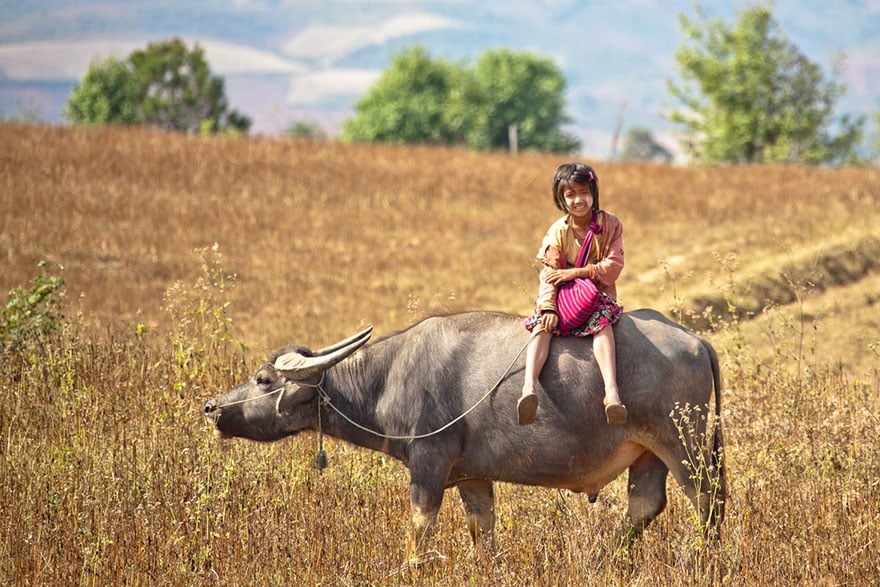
(578, 200)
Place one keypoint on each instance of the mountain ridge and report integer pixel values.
(288, 61)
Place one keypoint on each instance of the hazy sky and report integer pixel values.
(292, 60)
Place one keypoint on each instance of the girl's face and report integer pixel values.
(578, 200)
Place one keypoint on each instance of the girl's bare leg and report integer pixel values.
(604, 351)
(536, 356)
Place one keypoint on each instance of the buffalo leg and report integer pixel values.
(647, 496)
(424, 505)
(705, 492)
(426, 486)
(478, 497)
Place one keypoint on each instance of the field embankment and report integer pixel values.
(109, 475)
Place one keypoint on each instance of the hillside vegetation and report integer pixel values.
(188, 259)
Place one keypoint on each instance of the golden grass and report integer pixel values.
(109, 475)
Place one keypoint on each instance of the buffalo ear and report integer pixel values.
(291, 398)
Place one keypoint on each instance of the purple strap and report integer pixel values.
(587, 245)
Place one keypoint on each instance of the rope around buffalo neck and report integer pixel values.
(326, 400)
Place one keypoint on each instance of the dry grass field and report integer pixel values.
(188, 259)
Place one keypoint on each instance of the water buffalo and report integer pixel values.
(405, 395)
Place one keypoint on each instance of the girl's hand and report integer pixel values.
(557, 276)
(549, 320)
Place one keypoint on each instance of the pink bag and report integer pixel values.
(576, 300)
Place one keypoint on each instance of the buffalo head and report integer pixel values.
(280, 398)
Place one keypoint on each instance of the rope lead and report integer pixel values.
(326, 399)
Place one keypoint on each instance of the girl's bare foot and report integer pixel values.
(527, 407)
(616, 414)
(615, 411)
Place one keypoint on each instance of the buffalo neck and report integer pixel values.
(355, 388)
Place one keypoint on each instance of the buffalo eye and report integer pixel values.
(263, 379)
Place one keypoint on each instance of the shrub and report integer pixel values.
(30, 315)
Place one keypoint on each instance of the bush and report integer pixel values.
(30, 315)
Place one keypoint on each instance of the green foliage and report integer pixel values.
(639, 145)
(306, 130)
(165, 85)
(420, 99)
(406, 104)
(107, 94)
(30, 315)
(178, 91)
(521, 89)
(757, 98)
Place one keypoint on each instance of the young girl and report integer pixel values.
(576, 192)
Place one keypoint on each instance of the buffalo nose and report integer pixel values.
(210, 407)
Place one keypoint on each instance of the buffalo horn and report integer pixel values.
(300, 367)
(345, 343)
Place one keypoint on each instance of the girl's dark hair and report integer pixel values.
(574, 173)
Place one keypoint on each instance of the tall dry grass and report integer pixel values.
(109, 474)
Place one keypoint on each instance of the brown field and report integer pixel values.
(188, 259)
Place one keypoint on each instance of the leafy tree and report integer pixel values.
(164, 85)
(462, 108)
(406, 104)
(108, 93)
(521, 89)
(759, 100)
(421, 99)
(639, 145)
(178, 92)
(306, 130)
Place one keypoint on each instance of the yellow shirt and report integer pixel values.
(561, 235)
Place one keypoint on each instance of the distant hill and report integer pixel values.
(310, 62)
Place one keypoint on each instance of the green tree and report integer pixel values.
(164, 85)
(525, 90)
(108, 93)
(639, 145)
(757, 98)
(421, 99)
(305, 130)
(178, 92)
(406, 104)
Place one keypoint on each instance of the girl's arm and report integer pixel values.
(606, 271)
(553, 259)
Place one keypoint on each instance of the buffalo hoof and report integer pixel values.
(526, 408)
(616, 414)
